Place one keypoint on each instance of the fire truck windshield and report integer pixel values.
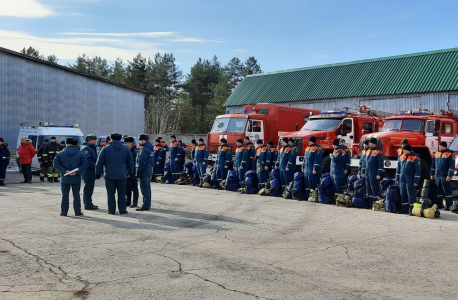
(404, 125)
(229, 125)
(321, 124)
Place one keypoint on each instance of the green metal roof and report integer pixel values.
(432, 71)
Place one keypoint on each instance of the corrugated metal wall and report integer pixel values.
(31, 92)
(393, 104)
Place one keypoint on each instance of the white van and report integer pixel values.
(42, 131)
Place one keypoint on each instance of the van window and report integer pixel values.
(34, 140)
(447, 128)
(347, 126)
(430, 127)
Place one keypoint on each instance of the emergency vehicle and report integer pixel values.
(423, 129)
(261, 121)
(337, 123)
(42, 131)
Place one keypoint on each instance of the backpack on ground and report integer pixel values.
(208, 179)
(384, 184)
(429, 191)
(351, 183)
(359, 199)
(232, 182)
(344, 199)
(393, 201)
(195, 177)
(298, 192)
(275, 183)
(167, 178)
(250, 184)
(325, 190)
(379, 205)
(183, 179)
(288, 194)
(313, 195)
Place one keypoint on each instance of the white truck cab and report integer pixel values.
(42, 131)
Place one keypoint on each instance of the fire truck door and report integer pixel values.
(347, 132)
(432, 135)
(255, 130)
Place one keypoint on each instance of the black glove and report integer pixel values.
(97, 176)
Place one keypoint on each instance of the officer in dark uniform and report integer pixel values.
(442, 171)
(144, 170)
(408, 174)
(90, 152)
(373, 171)
(62, 145)
(251, 149)
(201, 155)
(338, 167)
(363, 158)
(282, 162)
(163, 144)
(193, 151)
(49, 153)
(223, 160)
(159, 155)
(312, 165)
(347, 159)
(116, 162)
(4, 160)
(43, 166)
(66, 161)
(176, 162)
(240, 160)
(262, 153)
(272, 156)
(291, 168)
(132, 184)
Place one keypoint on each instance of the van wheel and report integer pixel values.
(325, 165)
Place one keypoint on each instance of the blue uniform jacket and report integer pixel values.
(4, 155)
(338, 161)
(283, 157)
(176, 151)
(165, 146)
(443, 164)
(134, 152)
(193, 152)
(363, 160)
(347, 157)
(292, 158)
(224, 155)
(409, 169)
(69, 159)
(201, 153)
(262, 154)
(90, 152)
(159, 155)
(251, 153)
(272, 157)
(145, 160)
(374, 163)
(312, 159)
(241, 157)
(116, 162)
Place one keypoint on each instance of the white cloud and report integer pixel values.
(194, 40)
(71, 48)
(25, 9)
(123, 34)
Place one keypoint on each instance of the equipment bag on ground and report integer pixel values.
(195, 176)
(167, 178)
(420, 210)
(275, 183)
(250, 184)
(232, 182)
(298, 191)
(384, 184)
(351, 183)
(359, 199)
(325, 190)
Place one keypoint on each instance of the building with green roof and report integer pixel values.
(391, 84)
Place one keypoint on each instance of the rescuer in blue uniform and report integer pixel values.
(373, 171)
(272, 156)
(251, 150)
(363, 158)
(312, 165)
(291, 168)
(338, 167)
(183, 156)
(241, 157)
(201, 156)
(132, 184)
(408, 174)
(144, 167)
(159, 155)
(163, 144)
(262, 153)
(4, 160)
(176, 162)
(442, 171)
(193, 151)
(89, 150)
(282, 162)
(223, 160)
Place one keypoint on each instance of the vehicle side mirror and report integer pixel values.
(436, 133)
(365, 131)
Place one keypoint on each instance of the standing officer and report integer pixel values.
(400, 151)
(183, 156)
(90, 152)
(4, 160)
(291, 168)
(163, 144)
(144, 170)
(312, 165)
(193, 147)
(363, 159)
(43, 166)
(338, 167)
(272, 156)
(201, 155)
(159, 154)
(373, 171)
(49, 153)
(65, 162)
(176, 162)
(249, 146)
(132, 185)
(262, 153)
(116, 162)
(442, 171)
(223, 160)
(347, 159)
(282, 162)
(62, 145)
(241, 157)
(408, 174)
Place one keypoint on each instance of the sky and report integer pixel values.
(281, 35)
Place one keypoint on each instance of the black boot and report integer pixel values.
(42, 179)
(56, 179)
(50, 180)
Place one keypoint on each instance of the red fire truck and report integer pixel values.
(337, 123)
(260, 121)
(423, 129)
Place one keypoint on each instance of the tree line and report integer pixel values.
(176, 102)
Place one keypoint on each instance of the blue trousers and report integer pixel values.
(338, 182)
(87, 192)
(444, 190)
(262, 174)
(2, 172)
(132, 189)
(201, 170)
(158, 170)
(145, 187)
(408, 191)
(311, 181)
(64, 206)
(286, 177)
(221, 173)
(112, 187)
(176, 167)
(241, 174)
(372, 188)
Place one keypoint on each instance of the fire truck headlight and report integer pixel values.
(387, 164)
(455, 173)
(301, 159)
